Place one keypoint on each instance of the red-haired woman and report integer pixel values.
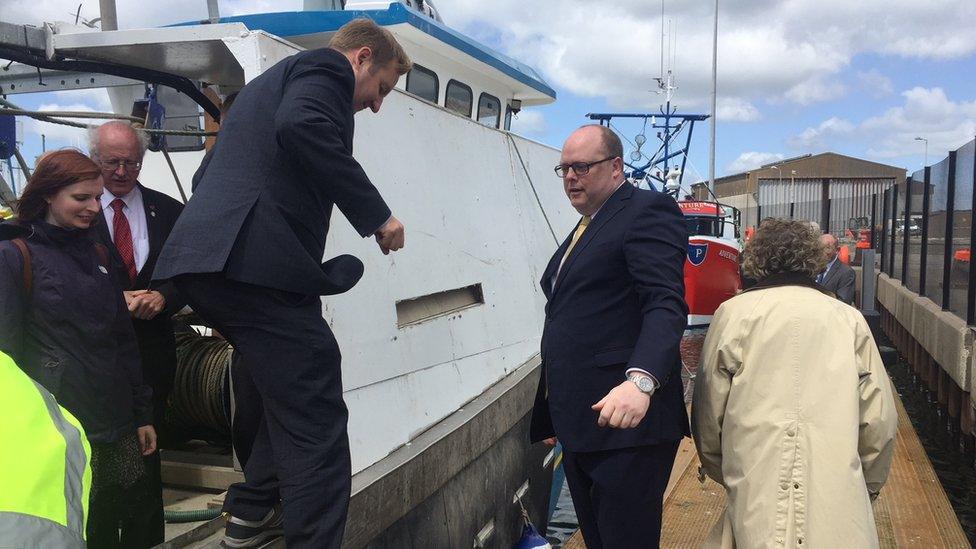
(66, 324)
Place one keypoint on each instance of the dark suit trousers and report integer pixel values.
(618, 494)
(248, 418)
(289, 354)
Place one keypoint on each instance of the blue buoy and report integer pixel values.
(531, 539)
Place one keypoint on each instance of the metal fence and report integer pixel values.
(835, 204)
(928, 232)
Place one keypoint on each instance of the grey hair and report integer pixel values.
(141, 136)
(784, 246)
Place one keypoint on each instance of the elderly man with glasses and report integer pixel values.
(611, 387)
(136, 222)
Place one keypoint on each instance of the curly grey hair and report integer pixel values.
(784, 246)
(141, 136)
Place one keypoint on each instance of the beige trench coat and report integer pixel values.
(793, 413)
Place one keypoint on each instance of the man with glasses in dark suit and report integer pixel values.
(611, 388)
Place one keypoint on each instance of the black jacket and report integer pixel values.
(72, 334)
(157, 344)
(618, 303)
(262, 201)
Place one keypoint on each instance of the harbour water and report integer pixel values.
(563, 523)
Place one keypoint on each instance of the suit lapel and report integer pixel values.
(614, 204)
(153, 224)
(550, 272)
(830, 274)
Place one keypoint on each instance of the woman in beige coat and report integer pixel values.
(793, 411)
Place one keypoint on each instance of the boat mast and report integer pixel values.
(109, 17)
(658, 166)
(711, 146)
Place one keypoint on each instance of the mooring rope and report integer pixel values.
(53, 118)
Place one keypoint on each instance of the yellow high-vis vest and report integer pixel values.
(45, 472)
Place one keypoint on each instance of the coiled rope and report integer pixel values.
(199, 406)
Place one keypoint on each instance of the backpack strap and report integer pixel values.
(28, 272)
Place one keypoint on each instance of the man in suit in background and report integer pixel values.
(611, 386)
(135, 223)
(838, 277)
(246, 254)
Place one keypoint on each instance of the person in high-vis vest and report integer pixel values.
(44, 466)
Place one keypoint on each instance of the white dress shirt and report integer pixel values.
(135, 213)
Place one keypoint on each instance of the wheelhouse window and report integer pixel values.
(489, 110)
(459, 98)
(703, 226)
(423, 83)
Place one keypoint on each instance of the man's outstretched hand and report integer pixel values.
(390, 236)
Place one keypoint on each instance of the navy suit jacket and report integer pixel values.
(618, 303)
(263, 198)
(841, 280)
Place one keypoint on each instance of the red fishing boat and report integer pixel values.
(712, 265)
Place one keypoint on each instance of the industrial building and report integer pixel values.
(834, 190)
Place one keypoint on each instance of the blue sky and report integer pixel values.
(859, 78)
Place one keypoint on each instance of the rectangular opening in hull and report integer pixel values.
(420, 309)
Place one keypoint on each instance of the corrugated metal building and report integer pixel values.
(827, 188)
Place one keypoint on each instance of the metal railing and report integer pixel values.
(928, 232)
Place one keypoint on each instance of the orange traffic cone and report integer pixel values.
(845, 255)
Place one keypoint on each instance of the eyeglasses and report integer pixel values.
(579, 168)
(112, 165)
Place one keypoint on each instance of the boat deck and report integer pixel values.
(912, 511)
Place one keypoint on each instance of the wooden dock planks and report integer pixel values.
(912, 511)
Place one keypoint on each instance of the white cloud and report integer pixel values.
(768, 51)
(814, 138)
(529, 123)
(751, 160)
(875, 83)
(733, 109)
(814, 90)
(927, 113)
(95, 98)
(59, 135)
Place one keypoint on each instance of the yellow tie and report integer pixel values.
(583, 224)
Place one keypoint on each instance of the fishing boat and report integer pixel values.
(711, 273)
(440, 341)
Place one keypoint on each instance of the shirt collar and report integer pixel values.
(131, 199)
(831, 264)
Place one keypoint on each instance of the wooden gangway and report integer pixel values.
(912, 510)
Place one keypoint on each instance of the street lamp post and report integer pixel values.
(926, 150)
(792, 191)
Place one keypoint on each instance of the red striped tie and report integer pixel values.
(123, 238)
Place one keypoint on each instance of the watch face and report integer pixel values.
(643, 383)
